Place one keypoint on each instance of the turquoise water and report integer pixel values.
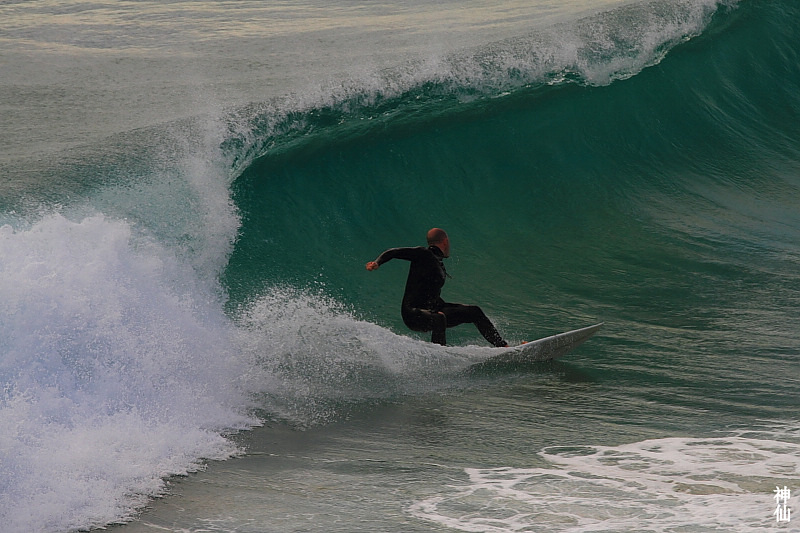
(191, 191)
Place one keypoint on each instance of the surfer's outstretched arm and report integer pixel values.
(408, 254)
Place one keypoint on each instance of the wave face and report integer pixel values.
(677, 185)
(638, 165)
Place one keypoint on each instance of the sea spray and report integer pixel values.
(315, 360)
(596, 50)
(118, 369)
(575, 209)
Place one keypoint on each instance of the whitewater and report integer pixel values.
(189, 192)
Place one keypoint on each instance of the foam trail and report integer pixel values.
(719, 484)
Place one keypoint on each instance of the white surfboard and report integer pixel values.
(544, 349)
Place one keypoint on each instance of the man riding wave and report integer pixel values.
(423, 308)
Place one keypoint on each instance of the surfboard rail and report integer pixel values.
(546, 348)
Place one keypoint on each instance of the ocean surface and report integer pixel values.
(189, 191)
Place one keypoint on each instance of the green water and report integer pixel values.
(186, 313)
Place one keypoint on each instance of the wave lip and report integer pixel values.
(595, 50)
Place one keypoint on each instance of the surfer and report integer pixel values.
(423, 308)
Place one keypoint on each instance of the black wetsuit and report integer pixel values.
(423, 308)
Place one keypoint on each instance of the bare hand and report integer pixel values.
(372, 265)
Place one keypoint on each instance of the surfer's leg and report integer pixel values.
(439, 328)
(472, 314)
(425, 320)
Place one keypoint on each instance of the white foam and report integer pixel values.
(117, 368)
(669, 484)
(317, 356)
